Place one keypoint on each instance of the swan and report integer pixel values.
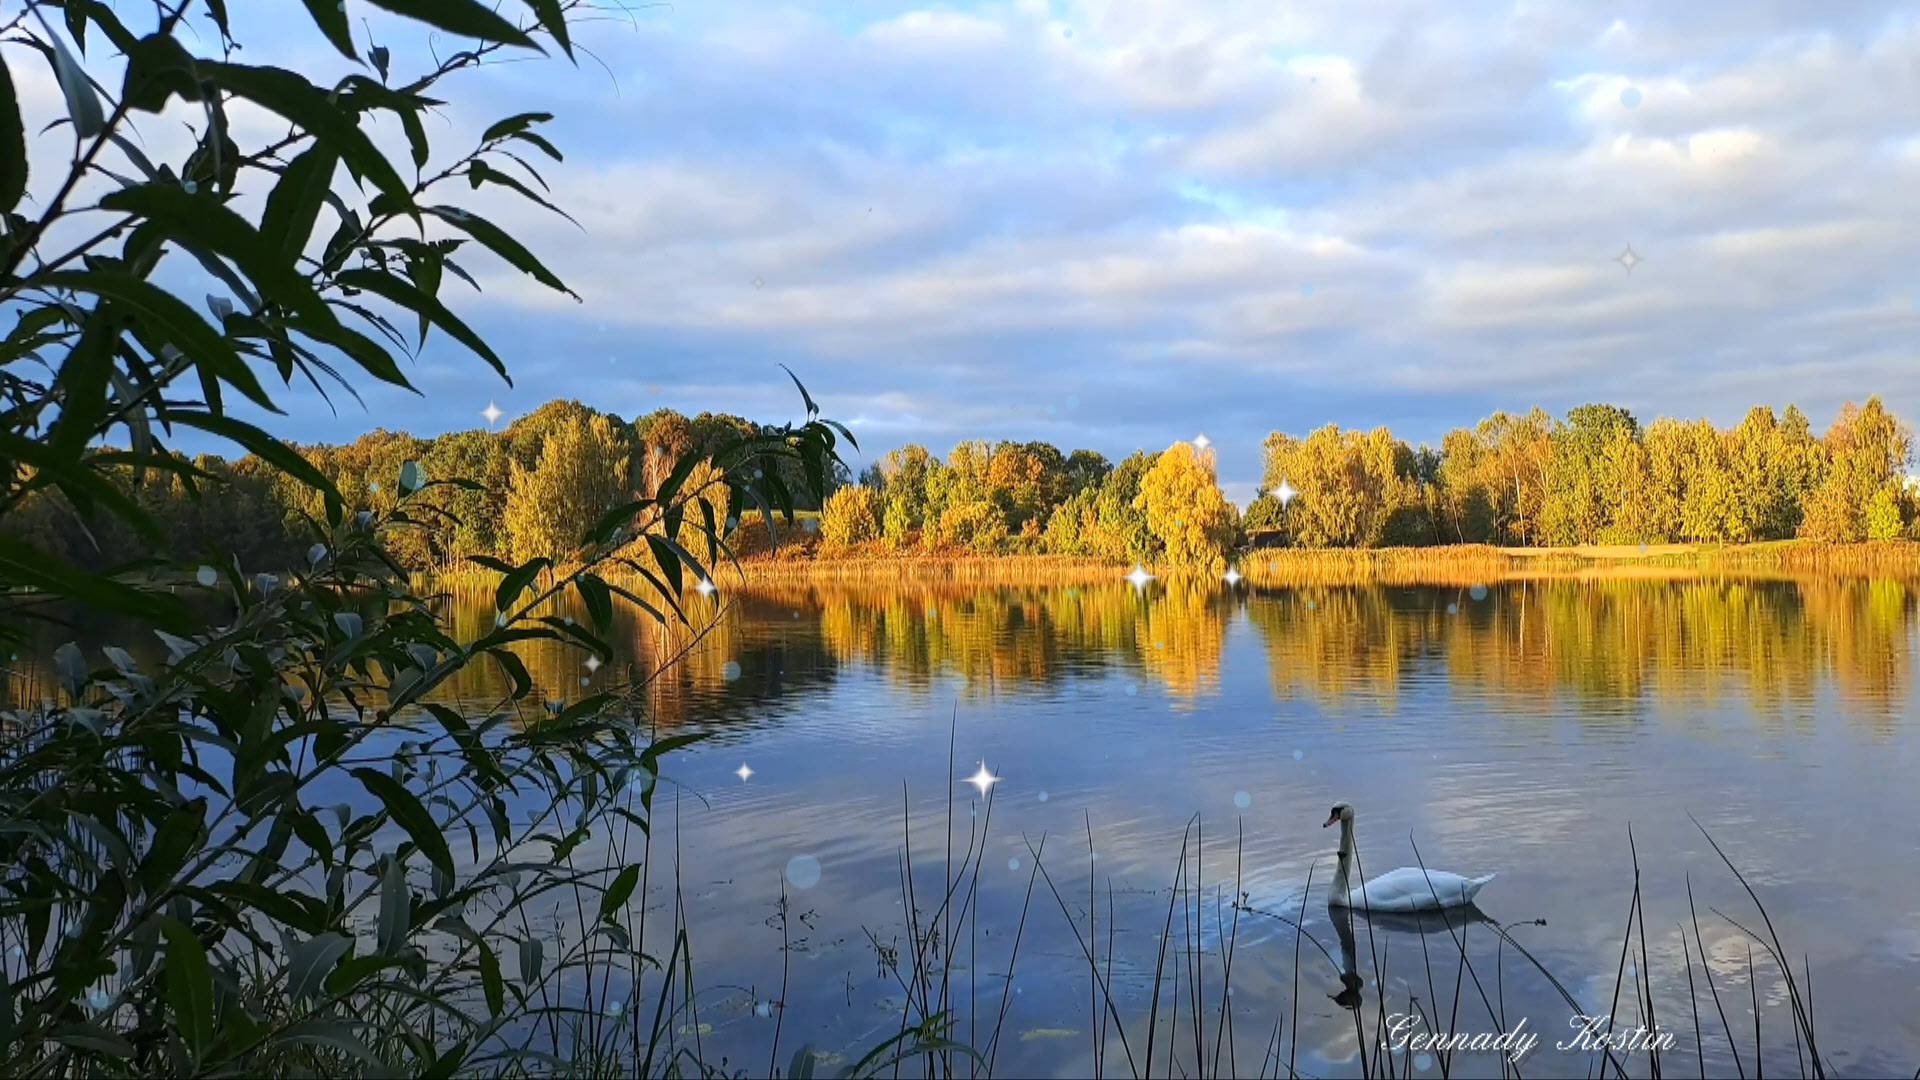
(1406, 889)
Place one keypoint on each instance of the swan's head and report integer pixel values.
(1340, 812)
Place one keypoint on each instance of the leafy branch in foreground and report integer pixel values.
(329, 253)
(286, 847)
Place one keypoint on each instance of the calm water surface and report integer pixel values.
(1521, 728)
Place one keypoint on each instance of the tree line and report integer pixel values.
(1598, 476)
(530, 490)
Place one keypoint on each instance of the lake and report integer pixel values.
(1519, 727)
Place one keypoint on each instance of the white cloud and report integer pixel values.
(1265, 215)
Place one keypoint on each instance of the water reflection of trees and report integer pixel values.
(1609, 641)
(1773, 644)
(1028, 635)
(728, 661)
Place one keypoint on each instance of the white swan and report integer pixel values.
(1406, 889)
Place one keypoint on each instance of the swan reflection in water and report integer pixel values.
(1384, 925)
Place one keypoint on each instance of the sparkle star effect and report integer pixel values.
(593, 664)
(1628, 259)
(743, 772)
(493, 413)
(982, 779)
(705, 588)
(1285, 493)
(1232, 576)
(1201, 441)
(1139, 576)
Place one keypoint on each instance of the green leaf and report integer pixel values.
(516, 582)
(294, 203)
(491, 984)
(336, 1035)
(812, 409)
(669, 560)
(598, 598)
(13, 145)
(315, 111)
(396, 907)
(410, 816)
(404, 293)
(90, 1036)
(516, 670)
(617, 893)
(158, 68)
(311, 961)
(331, 17)
(464, 17)
(553, 18)
(659, 748)
(176, 213)
(167, 320)
(189, 985)
(514, 124)
(497, 241)
(83, 105)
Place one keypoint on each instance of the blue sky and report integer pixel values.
(1116, 224)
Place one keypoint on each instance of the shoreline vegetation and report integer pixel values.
(1516, 491)
(1462, 564)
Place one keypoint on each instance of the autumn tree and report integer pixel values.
(1356, 489)
(851, 516)
(1867, 453)
(1583, 486)
(1193, 522)
(580, 474)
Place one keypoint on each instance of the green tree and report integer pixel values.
(1119, 528)
(1583, 488)
(1884, 518)
(469, 519)
(1085, 470)
(581, 474)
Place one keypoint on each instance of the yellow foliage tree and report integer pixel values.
(850, 516)
(1868, 450)
(580, 474)
(977, 524)
(1185, 510)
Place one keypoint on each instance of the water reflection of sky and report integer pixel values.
(1523, 734)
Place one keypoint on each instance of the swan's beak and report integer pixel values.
(1332, 819)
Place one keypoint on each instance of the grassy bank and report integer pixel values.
(1468, 563)
(1462, 563)
(804, 559)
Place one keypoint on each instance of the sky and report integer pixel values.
(1117, 223)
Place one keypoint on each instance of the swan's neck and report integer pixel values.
(1342, 875)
